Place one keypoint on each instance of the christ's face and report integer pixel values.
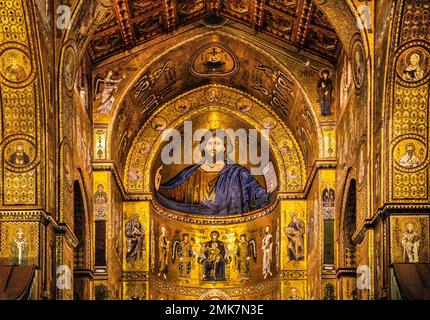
(214, 147)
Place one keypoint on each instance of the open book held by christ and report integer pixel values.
(270, 177)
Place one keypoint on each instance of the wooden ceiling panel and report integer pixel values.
(109, 21)
(239, 9)
(149, 27)
(189, 10)
(132, 22)
(139, 7)
(320, 20)
(280, 25)
(289, 7)
(323, 44)
(106, 46)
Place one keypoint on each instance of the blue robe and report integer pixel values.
(236, 192)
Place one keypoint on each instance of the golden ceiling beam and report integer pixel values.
(170, 8)
(301, 31)
(122, 11)
(258, 17)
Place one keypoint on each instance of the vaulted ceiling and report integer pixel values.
(128, 23)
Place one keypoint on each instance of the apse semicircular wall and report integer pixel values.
(151, 80)
(185, 254)
(202, 107)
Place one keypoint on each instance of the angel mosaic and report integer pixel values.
(107, 94)
(245, 253)
(184, 254)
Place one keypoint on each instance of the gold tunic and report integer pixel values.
(199, 188)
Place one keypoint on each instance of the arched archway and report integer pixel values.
(81, 268)
(350, 223)
(346, 246)
(144, 147)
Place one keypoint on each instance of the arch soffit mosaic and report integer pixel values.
(300, 93)
(147, 144)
